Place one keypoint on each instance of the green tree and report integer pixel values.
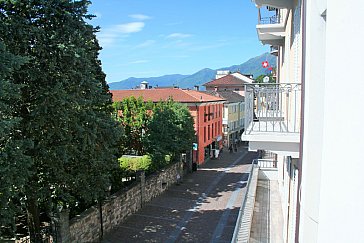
(14, 163)
(171, 131)
(259, 79)
(65, 107)
(133, 115)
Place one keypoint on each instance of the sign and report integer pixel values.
(194, 146)
(218, 138)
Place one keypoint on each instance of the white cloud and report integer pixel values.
(145, 44)
(139, 16)
(132, 27)
(178, 36)
(110, 35)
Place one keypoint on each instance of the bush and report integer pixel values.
(135, 163)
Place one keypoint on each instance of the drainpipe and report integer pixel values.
(299, 164)
(197, 133)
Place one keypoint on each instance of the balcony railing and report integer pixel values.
(266, 163)
(276, 19)
(272, 108)
(274, 50)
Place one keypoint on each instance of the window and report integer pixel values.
(204, 114)
(204, 134)
(208, 132)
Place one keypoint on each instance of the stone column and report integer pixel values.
(63, 227)
(142, 186)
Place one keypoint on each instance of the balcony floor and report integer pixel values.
(267, 223)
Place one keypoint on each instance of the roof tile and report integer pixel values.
(155, 95)
(231, 79)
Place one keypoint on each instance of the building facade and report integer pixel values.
(301, 121)
(205, 109)
(229, 81)
(233, 116)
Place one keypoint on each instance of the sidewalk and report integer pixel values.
(203, 208)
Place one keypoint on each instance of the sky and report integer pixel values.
(150, 38)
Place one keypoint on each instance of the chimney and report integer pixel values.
(216, 88)
(196, 87)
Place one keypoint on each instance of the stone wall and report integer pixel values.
(87, 227)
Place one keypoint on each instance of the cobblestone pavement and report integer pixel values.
(203, 208)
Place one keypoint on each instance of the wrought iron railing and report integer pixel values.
(276, 19)
(272, 107)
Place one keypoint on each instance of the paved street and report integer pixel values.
(203, 208)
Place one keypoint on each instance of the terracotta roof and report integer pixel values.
(155, 95)
(231, 79)
(229, 95)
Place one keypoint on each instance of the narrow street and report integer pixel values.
(203, 208)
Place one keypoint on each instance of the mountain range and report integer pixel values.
(252, 66)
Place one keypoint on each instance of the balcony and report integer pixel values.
(288, 4)
(272, 118)
(274, 50)
(271, 29)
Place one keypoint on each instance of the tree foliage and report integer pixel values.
(171, 130)
(136, 163)
(64, 105)
(14, 163)
(259, 79)
(134, 115)
(163, 130)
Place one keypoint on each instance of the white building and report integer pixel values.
(312, 119)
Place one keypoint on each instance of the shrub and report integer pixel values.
(135, 163)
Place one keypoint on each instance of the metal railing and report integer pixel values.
(275, 19)
(245, 212)
(265, 163)
(273, 49)
(271, 107)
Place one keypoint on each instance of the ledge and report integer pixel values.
(243, 223)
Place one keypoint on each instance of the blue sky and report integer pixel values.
(149, 38)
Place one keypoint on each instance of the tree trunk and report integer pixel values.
(33, 220)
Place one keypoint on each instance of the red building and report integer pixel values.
(205, 109)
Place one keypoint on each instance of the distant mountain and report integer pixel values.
(166, 80)
(252, 66)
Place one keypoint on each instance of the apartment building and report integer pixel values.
(225, 80)
(310, 120)
(205, 109)
(233, 116)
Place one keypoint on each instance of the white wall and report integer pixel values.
(313, 119)
(342, 183)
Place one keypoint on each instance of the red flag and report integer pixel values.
(265, 64)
